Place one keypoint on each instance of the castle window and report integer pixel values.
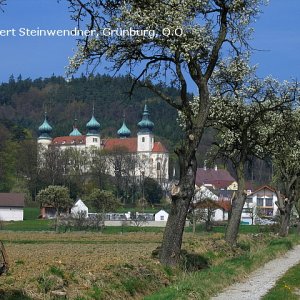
(143, 139)
(95, 140)
(158, 166)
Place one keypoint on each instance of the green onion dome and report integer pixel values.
(45, 129)
(93, 126)
(75, 132)
(124, 132)
(145, 125)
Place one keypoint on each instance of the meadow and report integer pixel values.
(118, 262)
(91, 265)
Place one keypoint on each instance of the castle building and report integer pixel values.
(152, 158)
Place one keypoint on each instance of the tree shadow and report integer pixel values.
(13, 295)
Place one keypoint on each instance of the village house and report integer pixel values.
(11, 206)
(216, 179)
(79, 208)
(223, 203)
(260, 203)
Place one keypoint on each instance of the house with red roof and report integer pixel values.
(217, 179)
(152, 157)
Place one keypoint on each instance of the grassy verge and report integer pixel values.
(287, 287)
(28, 225)
(250, 255)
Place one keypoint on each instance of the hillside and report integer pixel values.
(23, 102)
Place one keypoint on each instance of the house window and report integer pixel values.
(143, 139)
(260, 201)
(249, 200)
(95, 140)
(269, 201)
(162, 218)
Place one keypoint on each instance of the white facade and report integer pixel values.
(220, 215)
(162, 215)
(203, 192)
(260, 203)
(11, 213)
(150, 158)
(79, 208)
(93, 141)
(145, 142)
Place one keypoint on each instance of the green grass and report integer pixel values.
(31, 223)
(31, 213)
(200, 228)
(204, 284)
(287, 287)
(28, 225)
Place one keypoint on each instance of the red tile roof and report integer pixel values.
(223, 204)
(11, 200)
(226, 205)
(219, 178)
(69, 140)
(159, 147)
(130, 144)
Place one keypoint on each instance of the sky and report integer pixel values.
(276, 37)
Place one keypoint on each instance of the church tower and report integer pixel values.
(93, 133)
(145, 139)
(45, 130)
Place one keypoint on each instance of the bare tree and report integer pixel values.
(2, 3)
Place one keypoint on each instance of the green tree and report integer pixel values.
(56, 196)
(103, 201)
(7, 165)
(186, 41)
(152, 190)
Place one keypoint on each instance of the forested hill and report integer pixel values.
(23, 102)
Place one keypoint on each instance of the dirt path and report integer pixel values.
(263, 279)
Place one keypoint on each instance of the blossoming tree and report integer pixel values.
(245, 111)
(187, 41)
(286, 162)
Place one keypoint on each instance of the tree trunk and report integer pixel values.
(208, 226)
(194, 221)
(181, 197)
(236, 207)
(285, 216)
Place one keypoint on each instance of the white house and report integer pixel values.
(11, 206)
(203, 192)
(79, 208)
(260, 203)
(162, 215)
